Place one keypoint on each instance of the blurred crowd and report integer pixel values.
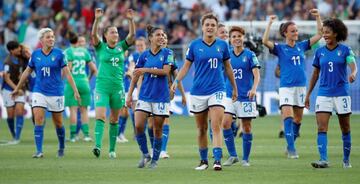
(21, 19)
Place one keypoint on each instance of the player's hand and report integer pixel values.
(99, 13)
(352, 78)
(173, 86)
(16, 92)
(77, 97)
(183, 100)
(172, 94)
(138, 72)
(314, 12)
(272, 18)
(128, 101)
(130, 14)
(307, 102)
(251, 94)
(234, 95)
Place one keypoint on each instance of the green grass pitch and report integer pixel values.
(268, 161)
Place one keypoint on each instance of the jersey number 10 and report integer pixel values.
(213, 62)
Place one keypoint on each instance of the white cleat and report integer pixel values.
(202, 166)
(164, 155)
(87, 139)
(231, 161)
(112, 155)
(13, 142)
(346, 165)
(245, 163)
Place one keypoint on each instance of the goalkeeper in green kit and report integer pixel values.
(109, 90)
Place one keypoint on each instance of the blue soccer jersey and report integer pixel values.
(208, 61)
(333, 72)
(154, 88)
(291, 62)
(242, 65)
(48, 72)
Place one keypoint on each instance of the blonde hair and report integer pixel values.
(43, 31)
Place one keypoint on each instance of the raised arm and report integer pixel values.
(269, 44)
(313, 80)
(130, 38)
(183, 71)
(94, 32)
(230, 75)
(318, 35)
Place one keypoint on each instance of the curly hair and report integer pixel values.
(337, 26)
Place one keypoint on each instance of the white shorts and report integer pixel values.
(8, 101)
(134, 95)
(341, 104)
(202, 103)
(241, 109)
(51, 103)
(294, 96)
(156, 109)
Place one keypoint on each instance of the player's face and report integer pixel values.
(292, 32)
(209, 28)
(328, 35)
(165, 40)
(48, 40)
(236, 39)
(158, 38)
(222, 33)
(112, 35)
(140, 45)
(81, 41)
(16, 52)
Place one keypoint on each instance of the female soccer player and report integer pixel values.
(109, 82)
(330, 63)
(210, 56)
(78, 58)
(48, 93)
(247, 76)
(154, 95)
(292, 77)
(171, 77)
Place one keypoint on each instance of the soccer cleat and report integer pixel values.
(144, 160)
(38, 155)
(122, 136)
(87, 139)
(164, 155)
(13, 142)
(346, 164)
(281, 134)
(231, 161)
(217, 165)
(112, 155)
(72, 140)
(153, 164)
(320, 164)
(60, 153)
(292, 155)
(202, 166)
(96, 151)
(245, 163)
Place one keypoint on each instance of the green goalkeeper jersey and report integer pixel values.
(111, 66)
(79, 57)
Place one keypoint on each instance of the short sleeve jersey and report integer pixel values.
(333, 72)
(209, 64)
(47, 69)
(154, 88)
(79, 57)
(111, 66)
(291, 62)
(243, 65)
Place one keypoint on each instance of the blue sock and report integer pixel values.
(61, 137)
(234, 127)
(78, 122)
(19, 126)
(217, 152)
(131, 112)
(122, 124)
(142, 142)
(296, 129)
(11, 125)
(151, 136)
(165, 137)
(289, 134)
(229, 142)
(157, 149)
(346, 145)
(203, 153)
(247, 141)
(322, 145)
(210, 131)
(39, 136)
